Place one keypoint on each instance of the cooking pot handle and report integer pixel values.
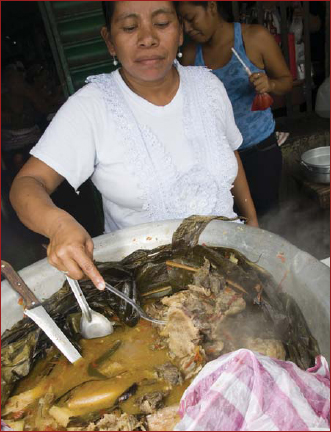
(305, 165)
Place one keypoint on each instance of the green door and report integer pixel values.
(73, 29)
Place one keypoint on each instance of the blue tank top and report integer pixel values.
(255, 126)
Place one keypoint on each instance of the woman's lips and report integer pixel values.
(149, 60)
(194, 34)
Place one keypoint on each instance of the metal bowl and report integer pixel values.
(315, 165)
(295, 272)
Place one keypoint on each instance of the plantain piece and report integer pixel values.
(92, 396)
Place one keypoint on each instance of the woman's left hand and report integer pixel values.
(261, 82)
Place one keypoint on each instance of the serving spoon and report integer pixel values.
(92, 324)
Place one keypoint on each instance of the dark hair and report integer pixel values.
(224, 8)
(108, 8)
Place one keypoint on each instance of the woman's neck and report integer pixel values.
(223, 35)
(159, 92)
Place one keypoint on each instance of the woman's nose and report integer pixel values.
(187, 26)
(148, 37)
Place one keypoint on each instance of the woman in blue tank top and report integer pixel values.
(212, 39)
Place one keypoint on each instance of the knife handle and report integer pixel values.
(18, 284)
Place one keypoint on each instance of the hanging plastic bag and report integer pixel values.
(322, 106)
(245, 390)
(261, 101)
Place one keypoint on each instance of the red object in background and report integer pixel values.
(261, 102)
(291, 51)
(278, 39)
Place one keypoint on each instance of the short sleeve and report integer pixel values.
(68, 144)
(224, 108)
(232, 132)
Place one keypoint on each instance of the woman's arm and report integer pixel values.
(71, 247)
(263, 51)
(242, 195)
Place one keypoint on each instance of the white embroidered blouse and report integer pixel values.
(149, 162)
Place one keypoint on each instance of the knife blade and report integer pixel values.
(39, 315)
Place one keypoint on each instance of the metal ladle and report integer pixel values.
(92, 324)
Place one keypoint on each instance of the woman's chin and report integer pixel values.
(151, 74)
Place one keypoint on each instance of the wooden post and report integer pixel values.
(327, 39)
(308, 80)
(260, 12)
(284, 39)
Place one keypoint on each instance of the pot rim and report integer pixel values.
(323, 151)
(315, 169)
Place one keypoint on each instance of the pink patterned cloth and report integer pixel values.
(245, 390)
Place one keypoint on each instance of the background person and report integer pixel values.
(212, 39)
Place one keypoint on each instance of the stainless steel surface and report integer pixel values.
(315, 176)
(59, 339)
(35, 311)
(298, 273)
(315, 165)
(318, 158)
(141, 312)
(92, 323)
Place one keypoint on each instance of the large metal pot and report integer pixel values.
(315, 164)
(295, 271)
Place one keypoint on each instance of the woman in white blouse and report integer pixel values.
(157, 139)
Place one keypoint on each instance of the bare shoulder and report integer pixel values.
(258, 40)
(256, 34)
(189, 52)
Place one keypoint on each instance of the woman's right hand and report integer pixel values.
(71, 251)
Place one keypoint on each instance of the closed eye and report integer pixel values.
(162, 25)
(129, 29)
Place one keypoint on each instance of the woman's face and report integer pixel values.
(199, 22)
(145, 36)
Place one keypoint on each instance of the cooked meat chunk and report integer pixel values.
(182, 335)
(113, 422)
(164, 420)
(269, 347)
(214, 349)
(229, 302)
(151, 402)
(170, 373)
(205, 277)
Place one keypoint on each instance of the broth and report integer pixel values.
(132, 363)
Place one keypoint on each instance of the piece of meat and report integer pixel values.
(204, 277)
(170, 373)
(164, 420)
(113, 422)
(269, 347)
(151, 402)
(182, 335)
(214, 349)
(229, 302)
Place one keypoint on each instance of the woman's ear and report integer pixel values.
(106, 37)
(212, 6)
